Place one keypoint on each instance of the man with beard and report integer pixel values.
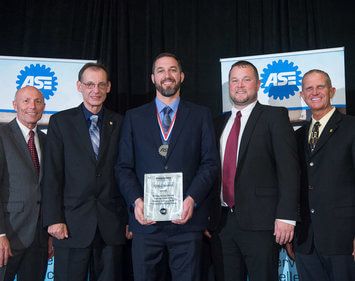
(167, 136)
(259, 180)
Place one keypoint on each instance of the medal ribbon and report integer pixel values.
(167, 134)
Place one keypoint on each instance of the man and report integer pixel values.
(168, 135)
(23, 241)
(82, 206)
(325, 236)
(259, 181)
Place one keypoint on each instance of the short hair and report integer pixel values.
(95, 66)
(170, 55)
(321, 72)
(244, 63)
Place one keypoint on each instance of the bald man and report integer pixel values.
(23, 241)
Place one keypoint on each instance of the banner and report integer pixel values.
(55, 78)
(281, 77)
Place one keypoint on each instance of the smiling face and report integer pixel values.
(243, 85)
(317, 92)
(167, 77)
(94, 87)
(29, 105)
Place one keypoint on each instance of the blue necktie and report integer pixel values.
(94, 132)
(166, 118)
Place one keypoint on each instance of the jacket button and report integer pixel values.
(313, 211)
(311, 164)
(98, 175)
(166, 167)
(310, 187)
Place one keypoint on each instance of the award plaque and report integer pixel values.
(163, 196)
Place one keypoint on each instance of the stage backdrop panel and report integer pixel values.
(55, 78)
(281, 76)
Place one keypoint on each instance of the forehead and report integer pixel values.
(29, 93)
(166, 62)
(242, 71)
(92, 73)
(314, 78)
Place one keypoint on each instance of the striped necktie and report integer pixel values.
(94, 132)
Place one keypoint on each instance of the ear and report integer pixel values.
(108, 87)
(14, 104)
(182, 75)
(332, 92)
(152, 77)
(78, 86)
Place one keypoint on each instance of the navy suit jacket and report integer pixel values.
(192, 151)
(328, 188)
(79, 189)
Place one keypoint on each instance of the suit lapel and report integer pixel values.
(81, 127)
(41, 138)
(150, 121)
(107, 127)
(21, 144)
(248, 132)
(181, 117)
(328, 131)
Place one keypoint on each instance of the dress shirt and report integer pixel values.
(26, 134)
(88, 114)
(323, 122)
(160, 106)
(246, 111)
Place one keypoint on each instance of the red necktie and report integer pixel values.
(230, 162)
(33, 151)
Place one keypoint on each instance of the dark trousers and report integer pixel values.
(30, 264)
(315, 266)
(180, 251)
(99, 261)
(247, 253)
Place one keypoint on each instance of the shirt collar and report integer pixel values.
(88, 113)
(160, 105)
(25, 131)
(245, 111)
(324, 120)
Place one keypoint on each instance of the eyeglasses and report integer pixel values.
(91, 85)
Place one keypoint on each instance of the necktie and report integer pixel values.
(166, 118)
(94, 132)
(230, 162)
(314, 136)
(33, 151)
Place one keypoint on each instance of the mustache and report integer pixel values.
(167, 80)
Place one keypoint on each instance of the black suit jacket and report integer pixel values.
(79, 190)
(328, 188)
(192, 151)
(267, 178)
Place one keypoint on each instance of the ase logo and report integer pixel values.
(39, 76)
(280, 79)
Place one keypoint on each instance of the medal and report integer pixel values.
(163, 150)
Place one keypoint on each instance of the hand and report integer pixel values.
(5, 251)
(58, 230)
(283, 232)
(207, 234)
(139, 212)
(187, 210)
(129, 234)
(289, 250)
(50, 247)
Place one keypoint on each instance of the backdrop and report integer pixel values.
(126, 35)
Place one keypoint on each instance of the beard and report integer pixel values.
(170, 91)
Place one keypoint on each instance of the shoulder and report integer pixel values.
(112, 115)
(65, 113)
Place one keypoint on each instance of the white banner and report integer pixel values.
(55, 78)
(281, 76)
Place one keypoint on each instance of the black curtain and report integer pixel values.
(127, 34)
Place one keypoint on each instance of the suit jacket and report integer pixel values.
(192, 151)
(20, 193)
(328, 188)
(267, 178)
(79, 190)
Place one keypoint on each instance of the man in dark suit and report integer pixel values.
(168, 135)
(82, 206)
(325, 236)
(23, 241)
(259, 180)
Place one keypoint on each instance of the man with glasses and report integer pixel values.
(82, 206)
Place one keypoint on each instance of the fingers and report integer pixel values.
(207, 234)
(283, 232)
(5, 251)
(58, 231)
(139, 213)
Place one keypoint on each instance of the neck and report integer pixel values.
(319, 114)
(93, 109)
(167, 100)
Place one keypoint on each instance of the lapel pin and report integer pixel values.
(111, 123)
(331, 131)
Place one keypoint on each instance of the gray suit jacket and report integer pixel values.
(20, 192)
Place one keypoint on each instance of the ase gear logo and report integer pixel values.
(281, 79)
(39, 76)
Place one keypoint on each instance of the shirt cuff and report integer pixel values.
(288, 221)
